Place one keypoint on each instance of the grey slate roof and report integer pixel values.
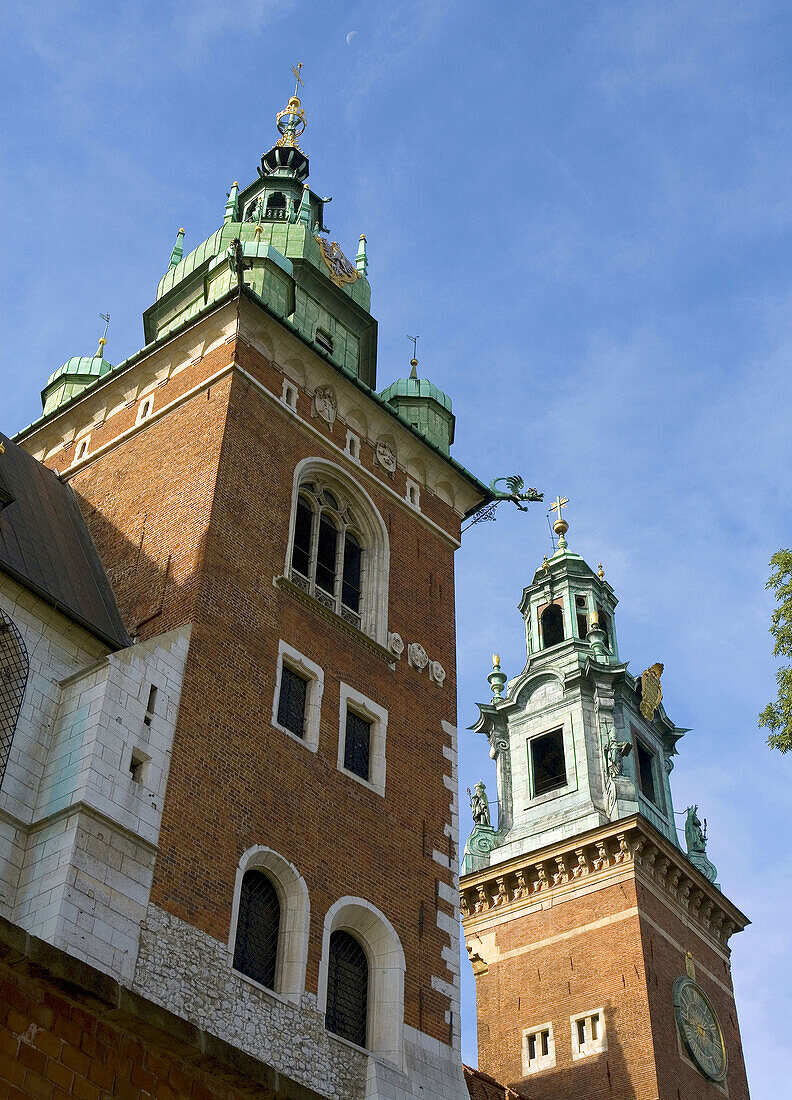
(45, 546)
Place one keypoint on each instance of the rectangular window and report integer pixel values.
(357, 745)
(548, 764)
(646, 777)
(588, 1034)
(291, 704)
(538, 1049)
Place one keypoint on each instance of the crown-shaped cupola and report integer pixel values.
(578, 741)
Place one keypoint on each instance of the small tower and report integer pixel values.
(423, 405)
(582, 914)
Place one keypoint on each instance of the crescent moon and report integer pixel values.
(349, 37)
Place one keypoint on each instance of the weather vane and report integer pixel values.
(415, 340)
(298, 78)
(103, 338)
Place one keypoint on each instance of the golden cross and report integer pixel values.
(297, 77)
(558, 504)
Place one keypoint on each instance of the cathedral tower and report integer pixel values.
(248, 488)
(600, 948)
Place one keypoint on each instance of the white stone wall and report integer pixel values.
(78, 830)
(190, 973)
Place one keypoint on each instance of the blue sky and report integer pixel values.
(584, 209)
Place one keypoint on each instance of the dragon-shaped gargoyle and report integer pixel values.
(515, 494)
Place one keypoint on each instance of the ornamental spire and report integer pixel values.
(178, 250)
(560, 526)
(291, 121)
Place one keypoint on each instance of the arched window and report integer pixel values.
(552, 624)
(347, 988)
(328, 557)
(361, 978)
(13, 678)
(258, 927)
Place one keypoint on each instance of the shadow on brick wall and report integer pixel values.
(596, 1077)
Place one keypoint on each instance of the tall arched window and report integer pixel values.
(258, 928)
(328, 556)
(552, 624)
(347, 988)
(13, 678)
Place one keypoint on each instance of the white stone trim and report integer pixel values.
(386, 964)
(314, 674)
(81, 448)
(591, 1046)
(376, 544)
(541, 1061)
(145, 408)
(350, 699)
(294, 919)
(352, 445)
(412, 494)
(289, 394)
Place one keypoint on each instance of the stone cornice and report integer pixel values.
(589, 861)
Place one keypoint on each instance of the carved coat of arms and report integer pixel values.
(325, 404)
(341, 269)
(651, 691)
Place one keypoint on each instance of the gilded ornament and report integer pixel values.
(341, 269)
(651, 690)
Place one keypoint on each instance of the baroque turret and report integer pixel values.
(578, 740)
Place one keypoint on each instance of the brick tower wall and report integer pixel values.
(561, 960)
(191, 516)
(667, 939)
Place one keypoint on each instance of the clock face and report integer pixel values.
(699, 1028)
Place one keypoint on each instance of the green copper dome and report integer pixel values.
(424, 406)
(70, 379)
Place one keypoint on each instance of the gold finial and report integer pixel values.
(560, 526)
(545, 564)
(496, 660)
(362, 236)
(600, 572)
(291, 121)
(235, 183)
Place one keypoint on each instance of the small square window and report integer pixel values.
(145, 408)
(538, 1051)
(413, 493)
(588, 1034)
(357, 745)
(291, 703)
(548, 763)
(138, 766)
(82, 448)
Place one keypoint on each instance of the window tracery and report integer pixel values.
(14, 666)
(328, 556)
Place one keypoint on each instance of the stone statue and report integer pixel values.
(615, 751)
(479, 805)
(237, 262)
(696, 844)
(695, 834)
